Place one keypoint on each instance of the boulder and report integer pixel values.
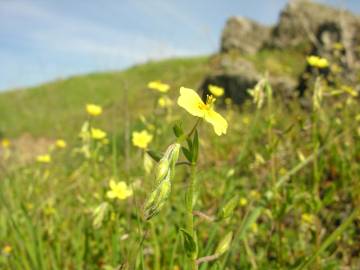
(236, 75)
(243, 35)
(305, 21)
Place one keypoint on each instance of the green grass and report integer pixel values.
(56, 109)
(46, 210)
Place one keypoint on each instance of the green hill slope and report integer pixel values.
(57, 109)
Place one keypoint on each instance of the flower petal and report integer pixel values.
(191, 102)
(219, 123)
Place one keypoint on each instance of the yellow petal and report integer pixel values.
(111, 194)
(191, 102)
(112, 184)
(217, 91)
(219, 123)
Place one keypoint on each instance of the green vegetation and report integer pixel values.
(280, 190)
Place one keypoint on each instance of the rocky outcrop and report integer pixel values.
(236, 75)
(331, 33)
(305, 21)
(243, 35)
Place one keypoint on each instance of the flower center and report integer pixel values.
(210, 100)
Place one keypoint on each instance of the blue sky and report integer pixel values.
(47, 39)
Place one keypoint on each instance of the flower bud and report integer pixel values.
(165, 171)
(224, 244)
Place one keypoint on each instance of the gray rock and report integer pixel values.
(243, 35)
(304, 21)
(236, 75)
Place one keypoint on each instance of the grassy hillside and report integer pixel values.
(279, 191)
(56, 109)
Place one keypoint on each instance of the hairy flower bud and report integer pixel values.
(165, 171)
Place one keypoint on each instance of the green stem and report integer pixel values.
(190, 205)
(156, 247)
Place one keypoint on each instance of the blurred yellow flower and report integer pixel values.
(164, 102)
(43, 158)
(7, 250)
(119, 190)
(60, 143)
(317, 61)
(141, 139)
(254, 194)
(192, 103)
(308, 218)
(5, 143)
(98, 134)
(93, 110)
(350, 90)
(216, 90)
(243, 201)
(158, 86)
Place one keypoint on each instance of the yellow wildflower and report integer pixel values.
(338, 46)
(60, 143)
(158, 86)
(317, 61)
(254, 194)
(93, 110)
(141, 139)
(7, 250)
(216, 90)
(5, 143)
(43, 158)
(164, 102)
(243, 201)
(308, 218)
(98, 134)
(119, 190)
(192, 103)
(350, 90)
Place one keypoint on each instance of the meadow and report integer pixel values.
(121, 171)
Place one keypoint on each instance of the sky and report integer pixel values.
(44, 40)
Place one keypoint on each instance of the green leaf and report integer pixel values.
(178, 131)
(190, 246)
(187, 153)
(154, 155)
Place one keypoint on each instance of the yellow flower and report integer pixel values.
(216, 90)
(43, 158)
(164, 102)
(317, 61)
(243, 201)
(119, 190)
(5, 143)
(308, 218)
(7, 250)
(350, 90)
(93, 110)
(254, 194)
(98, 134)
(158, 86)
(60, 143)
(141, 139)
(192, 103)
